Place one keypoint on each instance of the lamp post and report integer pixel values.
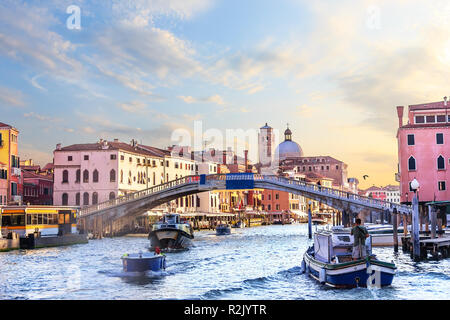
(415, 221)
(309, 220)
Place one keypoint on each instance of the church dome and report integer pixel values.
(288, 148)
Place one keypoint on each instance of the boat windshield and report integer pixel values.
(171, 219)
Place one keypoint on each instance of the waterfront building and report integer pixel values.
(3, 184)
(388, 193)
(86, 174)
(424, 152)
(37, 188)
(10, 162)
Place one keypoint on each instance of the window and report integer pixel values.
(113, 157)
(78, 176)
(431, 119)
(439, 138)
(65, 176)
(131, 159)
(411, 141)
(112, 195)
(95, 176)
(337, 167)
(121, 176)
(86, 199)
(440, 118)
(77, 199)
(420, 119)
(86, 157)
(69, 158)
(441, 185)
(411, 164)
(277, 196)
(85, 176)
(112, 176)
(95, 198)
(65, 199)
(122, 157)
(441, 163)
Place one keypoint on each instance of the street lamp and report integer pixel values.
(415, 220)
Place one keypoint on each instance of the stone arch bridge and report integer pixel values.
(135, 204)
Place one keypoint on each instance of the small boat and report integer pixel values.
(171, 232)
(223, 229)
(329, 261)
(239, 224)
(141, 262)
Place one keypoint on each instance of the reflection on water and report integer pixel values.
(252, 263)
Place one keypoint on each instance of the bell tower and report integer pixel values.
(266, 142)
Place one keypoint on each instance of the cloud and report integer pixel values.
(35, 84)
(11, 97)
(143, 12)
(41, 117)
(133, 107)
(216, 99)
(30, 41)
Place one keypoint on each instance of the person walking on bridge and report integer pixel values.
(360, 234)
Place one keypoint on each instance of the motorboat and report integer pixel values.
(171, 232)
(142, 262)
(329, 261)
(223, 229)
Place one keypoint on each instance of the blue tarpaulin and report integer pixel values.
(240, 181)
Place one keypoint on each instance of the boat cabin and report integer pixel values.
(171, 218)
(336, 246)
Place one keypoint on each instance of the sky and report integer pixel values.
(152, 69)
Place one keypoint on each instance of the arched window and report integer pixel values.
(95, 198)
(441, 163)
(85, 176)
(411, 164)
(85, 199)
(78, 176)
(77, 199)
(65, 199)
(112, 176)
(112, 195)
(121, 176)
(65, 176)
(95, 176)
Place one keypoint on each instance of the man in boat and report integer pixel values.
(360, 234)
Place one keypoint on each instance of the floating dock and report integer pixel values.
(437, 248)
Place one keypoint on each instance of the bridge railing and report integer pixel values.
(338, 193)
(138, 194)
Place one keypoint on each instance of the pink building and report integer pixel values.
(424, 151)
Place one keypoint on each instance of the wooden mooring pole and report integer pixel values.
(394, 225)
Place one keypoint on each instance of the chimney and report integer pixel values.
(116, 140)
(400, 116)
(58, 146)
(445, 101)
(224, 157)
(245, 160)
(235, 159)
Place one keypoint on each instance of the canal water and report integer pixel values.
(260, 263)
